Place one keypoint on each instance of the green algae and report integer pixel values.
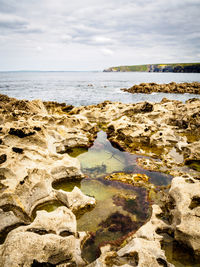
(66, 185)
(76, 151)
(48, 206)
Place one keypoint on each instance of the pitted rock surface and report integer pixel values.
(34, 140)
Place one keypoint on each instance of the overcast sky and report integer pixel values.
(96, 34)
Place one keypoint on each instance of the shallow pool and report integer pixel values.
(121, 208)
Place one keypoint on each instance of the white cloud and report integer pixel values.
(66, 38)
(101, 40)
(39, 49)
(107, 52)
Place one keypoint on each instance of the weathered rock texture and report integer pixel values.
(186, 212)
(31, 149)
(175, 88)
(168, 131)
(34, 140)
(52, 238)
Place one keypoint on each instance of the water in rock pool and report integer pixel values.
(48, 206)
(102, 159)
(120, 208)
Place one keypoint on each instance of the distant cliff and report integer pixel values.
(178, 67)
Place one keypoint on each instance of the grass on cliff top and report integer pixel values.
(146, 66)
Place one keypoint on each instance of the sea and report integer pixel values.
(88, 87)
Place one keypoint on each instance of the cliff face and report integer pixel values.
(175, 68)
(179, 67)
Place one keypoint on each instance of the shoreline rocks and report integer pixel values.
(34, 140)
(175, 88)
(52, 239)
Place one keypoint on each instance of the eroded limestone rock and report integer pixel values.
(29, 158)
(51, 238)
(181, 88)
(75, 200)
(34, 141)
(186, 213)
(169, 131)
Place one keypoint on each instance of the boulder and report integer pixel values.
(76, 200)
(51, 238)
(186, 212)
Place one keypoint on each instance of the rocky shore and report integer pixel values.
(175, 88)
(35, 137)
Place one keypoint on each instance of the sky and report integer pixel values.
(94, 35)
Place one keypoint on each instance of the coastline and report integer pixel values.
(34, 140)
(164, 67)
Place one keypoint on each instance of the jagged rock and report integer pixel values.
(102, 113)
(146, 243)
(8, 220)
(3, 158)
(31, 135)
(34, 141)
(186, 212)
(59, 108)
(148, 88)
(75, 200)
(51, 238)
(160, 133)
(33, 186)
(61, 221)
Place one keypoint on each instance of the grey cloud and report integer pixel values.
(127, 23)
(6, 6)
(12, 22)
(16, 24)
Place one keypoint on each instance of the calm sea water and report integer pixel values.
(86, 88)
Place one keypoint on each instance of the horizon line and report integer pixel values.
(50, 70)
